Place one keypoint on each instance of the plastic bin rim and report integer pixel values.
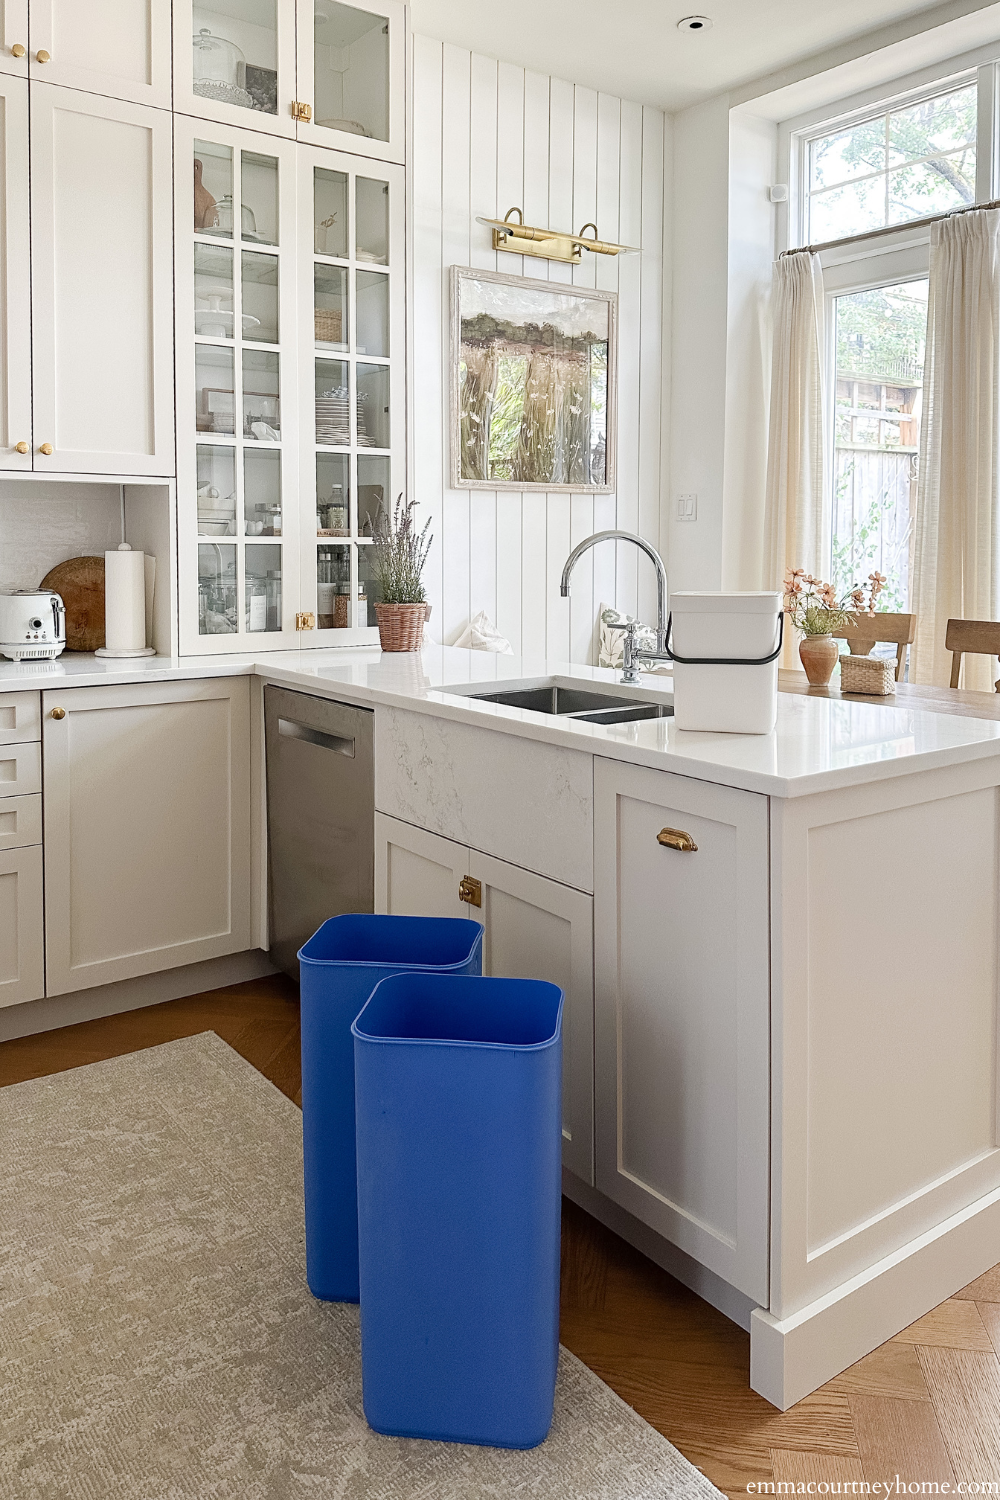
(447, 1041)
(378, 963)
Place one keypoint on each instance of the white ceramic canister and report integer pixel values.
(742, 629)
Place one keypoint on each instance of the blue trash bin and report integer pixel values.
(340, 965)
(459, 1133)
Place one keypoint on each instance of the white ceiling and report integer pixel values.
(632, 48)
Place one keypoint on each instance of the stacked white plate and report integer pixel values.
(333, 417)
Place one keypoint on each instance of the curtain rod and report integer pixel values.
(851, 239)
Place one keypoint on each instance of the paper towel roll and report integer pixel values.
(124, 600)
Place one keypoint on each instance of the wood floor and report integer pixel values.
(925, 1406)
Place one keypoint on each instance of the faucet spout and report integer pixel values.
(660, 653)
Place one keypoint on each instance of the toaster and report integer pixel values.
(32, 625)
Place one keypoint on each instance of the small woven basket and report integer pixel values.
(867, 674)
(329, 325)
(401, 626)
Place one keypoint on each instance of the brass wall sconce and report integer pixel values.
(549, 244)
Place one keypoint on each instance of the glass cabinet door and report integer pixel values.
(236, 376)
(351, 75)
(234, 62)
(351, 300)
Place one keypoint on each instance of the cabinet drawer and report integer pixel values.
(21, 821)
(20, 718)
(20, 769)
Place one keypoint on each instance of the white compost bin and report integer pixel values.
(725, 649)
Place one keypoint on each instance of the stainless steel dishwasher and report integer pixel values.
(320, 815)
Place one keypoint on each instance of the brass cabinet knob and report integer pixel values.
(20, 447)
(45, 448)
(44, 56)
(59, 713)
(17, 50)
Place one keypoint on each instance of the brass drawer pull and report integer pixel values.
(675, 838)
(470, 890)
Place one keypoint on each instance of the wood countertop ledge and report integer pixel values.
(963, 702)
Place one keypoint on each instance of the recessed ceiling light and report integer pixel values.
(695, 23)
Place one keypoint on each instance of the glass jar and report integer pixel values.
(224, 218)
(220, 70)
(257, 603)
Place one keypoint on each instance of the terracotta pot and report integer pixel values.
(819, 655)
(401, 626)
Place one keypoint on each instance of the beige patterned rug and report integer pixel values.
(158, 1341)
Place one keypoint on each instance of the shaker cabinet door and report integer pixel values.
(537, 928)
(14, 37)
(15, 278)
(22, 974)
(120, 48)
(147, 828)
(682, 1008)
(351, 71)
(101, 273)
(417, 874)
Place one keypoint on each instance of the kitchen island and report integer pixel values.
(779, 952)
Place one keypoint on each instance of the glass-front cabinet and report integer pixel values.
(290, 424)
(330, 72)
(351, 373)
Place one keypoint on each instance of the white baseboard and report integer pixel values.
(790, 1357)
(735, 1305)
(132, 994)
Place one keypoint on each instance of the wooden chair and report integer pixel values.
(981, 637)
(898, 629)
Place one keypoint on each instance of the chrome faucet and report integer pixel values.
(631, 655)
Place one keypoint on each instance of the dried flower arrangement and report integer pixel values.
(399, 554)
(813, 607)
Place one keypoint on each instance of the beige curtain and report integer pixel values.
(797, 510)
(955, 533)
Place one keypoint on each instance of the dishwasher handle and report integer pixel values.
(339, 744)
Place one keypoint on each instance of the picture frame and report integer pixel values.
(543, 357)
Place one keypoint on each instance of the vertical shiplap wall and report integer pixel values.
(486, 136)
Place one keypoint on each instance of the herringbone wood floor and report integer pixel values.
(925, 1406)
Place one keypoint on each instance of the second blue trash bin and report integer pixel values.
(340, 966)
(459, 1141)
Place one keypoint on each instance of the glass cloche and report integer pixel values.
(220, 70)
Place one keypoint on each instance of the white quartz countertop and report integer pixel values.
(819, 743)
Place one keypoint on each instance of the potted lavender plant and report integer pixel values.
(399, 553)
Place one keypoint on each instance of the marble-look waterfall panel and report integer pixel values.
(521, 800)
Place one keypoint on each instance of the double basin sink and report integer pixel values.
(586, 704)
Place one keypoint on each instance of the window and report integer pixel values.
(880, 336)
(892, 167)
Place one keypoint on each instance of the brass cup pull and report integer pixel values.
(20, 447)
(17, 50)
(45, 448)
(43, 56)
(675, 838)
(59, 713)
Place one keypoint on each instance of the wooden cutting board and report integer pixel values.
(80, 583)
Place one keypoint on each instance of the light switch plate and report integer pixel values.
(687, 507)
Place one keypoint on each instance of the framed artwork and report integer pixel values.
(533, 382)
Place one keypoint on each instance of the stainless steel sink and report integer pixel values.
(579, 703)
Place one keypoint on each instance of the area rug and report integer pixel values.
(158, 1340)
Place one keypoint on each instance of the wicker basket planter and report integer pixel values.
(401, 626)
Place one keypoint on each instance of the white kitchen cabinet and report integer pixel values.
(120, 48)
(147, 828)
(20, 769)
(682, 1014)
(22, 973)
(14, 37)
(351, 71)
(417, 874)
(535, 928)
(15, 278)
(19, 718)
(237, 398)
(290, 285)
(20, 821)
(234, 63)
(102, 370)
